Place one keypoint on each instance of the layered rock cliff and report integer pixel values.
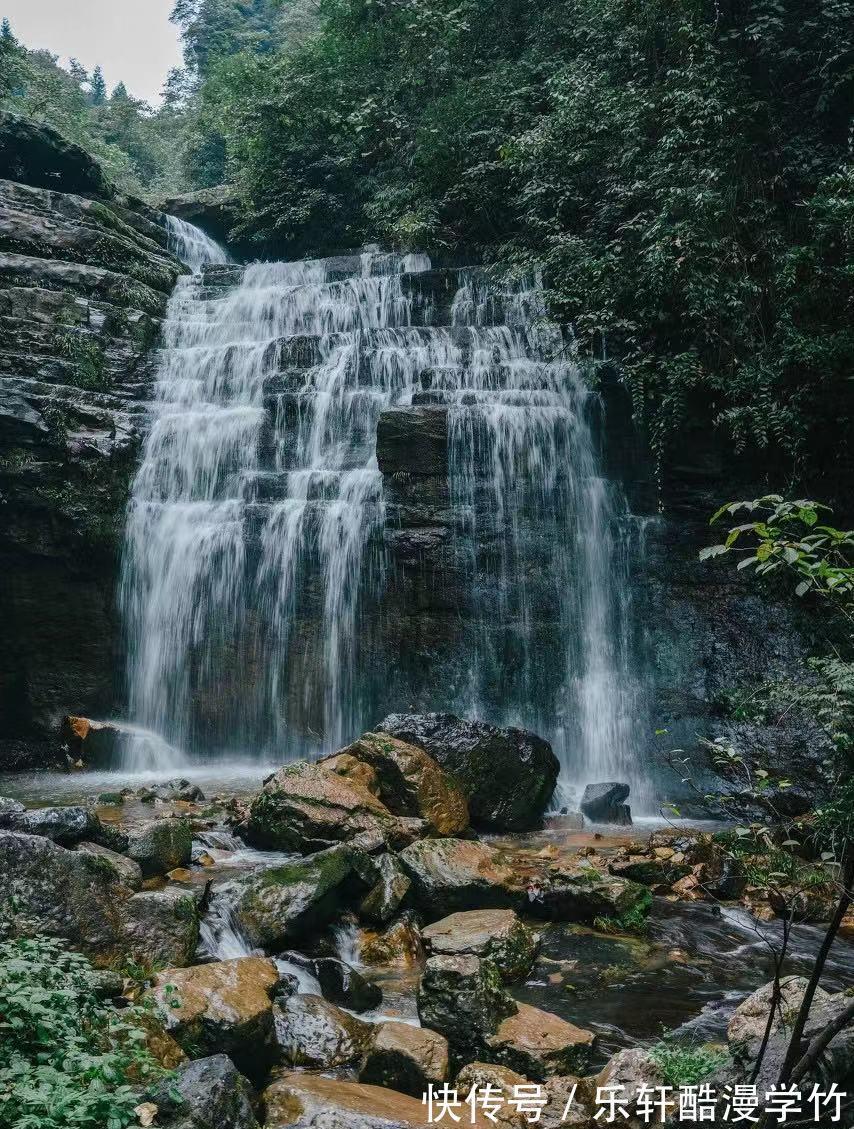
(85, 275)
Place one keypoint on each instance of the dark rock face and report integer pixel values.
(84, 280)
(509, 775)
(605, 803)
(215, 210)
(209, 1093)
(35, 153)
(463, 999)
(345, 986)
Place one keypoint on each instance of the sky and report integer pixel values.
(131, 39)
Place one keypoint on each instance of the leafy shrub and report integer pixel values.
(686, 1064)
(68, 1059)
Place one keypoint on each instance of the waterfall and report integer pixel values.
(192, 246)
(254, 563)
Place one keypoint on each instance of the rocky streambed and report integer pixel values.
(320, 948)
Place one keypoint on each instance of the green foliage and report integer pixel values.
(687, 1064)
(788, 536)
(68, 1060)
(681, 169)
(634, 921)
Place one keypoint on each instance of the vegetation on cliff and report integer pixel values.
(682, 169)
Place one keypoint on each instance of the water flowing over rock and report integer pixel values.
(280, 480)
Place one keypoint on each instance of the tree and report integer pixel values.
(97, 87)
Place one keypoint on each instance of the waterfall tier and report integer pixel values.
(371, 485)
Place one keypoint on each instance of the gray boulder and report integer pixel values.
(606, 803)
(463, 999)
(492, 934)
(405, 1058)
(160, 845)
(312, 1032)
(508, 775)
(209, 1093)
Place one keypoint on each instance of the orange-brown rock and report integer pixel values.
(537, 1044)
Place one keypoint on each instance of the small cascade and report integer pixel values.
(256, 567)
(192, 246)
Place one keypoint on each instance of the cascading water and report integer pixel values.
(254, 544)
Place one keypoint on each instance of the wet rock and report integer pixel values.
(411, 783)
(837, 1062)
(398, 946)
(161, 927)
(312, 1032)
(583, 896)
(497, 935)
(99, 744)
(503, 1083)
(311, 1101)
(220, 1008)
(509, 775)
(463, 999)
(345, 986)
(214, 210)
(631, 1070)
(160, 845)
(413, 440)
(649, 871)
(171, 791)
(388, 891)
(281, 903)
(65, 894)
(126, 870)
(449, 875)
(405, 1058)
(305, 808)
(66, 825)
(537, 1044)
(209, 1093)
(358, 771)
(747, 1027)
(605, 803)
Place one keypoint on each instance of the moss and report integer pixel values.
(87, 358)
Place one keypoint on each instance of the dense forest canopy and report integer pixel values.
(682, 169)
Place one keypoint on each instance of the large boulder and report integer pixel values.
(161, 927)
(405, 1058)
(306, 807)
(537, 1044)
(221, 1008)
(279, 904)
(35, 153)
(311, 1101)
(606, 803)
(509, 775)
(209, 1093)
(98, 744)
(215, 210)
(126, 870)
(312, 1032)
(634, 1072)
(410, 782)
(585, 895)
(459, 874)
(463, 999)
(501, 1083)
(160, 845)
(493, 934)
(64, 894)
(746, 1028)
(65, 825)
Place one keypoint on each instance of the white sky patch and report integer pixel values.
(133, 40)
